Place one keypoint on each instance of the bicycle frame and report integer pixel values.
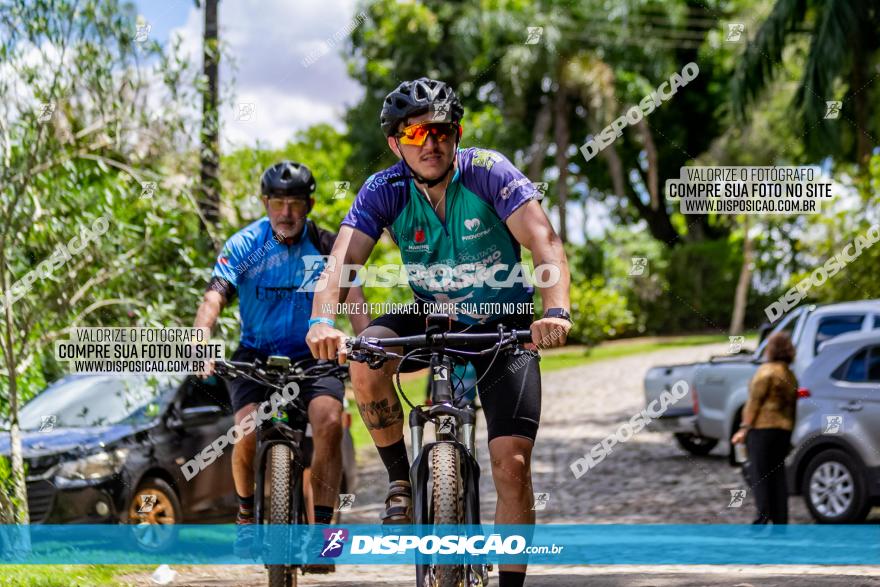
(462, 422)
(457, 428)
(454, 418)
(287, 426)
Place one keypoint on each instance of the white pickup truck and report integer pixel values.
(718, 388)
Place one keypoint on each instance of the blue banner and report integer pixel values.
(647, 544)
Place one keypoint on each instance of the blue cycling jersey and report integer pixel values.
(274, 282)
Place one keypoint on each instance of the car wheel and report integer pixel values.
(834, 489)
(696, 445)
(153, 510)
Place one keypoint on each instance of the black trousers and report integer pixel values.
(767, 449)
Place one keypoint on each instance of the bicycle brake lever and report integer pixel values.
(372, 360)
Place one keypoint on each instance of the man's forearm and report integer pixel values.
(350, 250)
(328, 292)
(209, 310)
(359, 316)
(556, 295)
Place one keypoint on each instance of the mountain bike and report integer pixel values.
(445, 474)
(278, 461)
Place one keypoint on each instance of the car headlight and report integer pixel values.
(102, 464)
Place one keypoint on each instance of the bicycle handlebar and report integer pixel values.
(373, 351)
(461, 339)
(275, 376)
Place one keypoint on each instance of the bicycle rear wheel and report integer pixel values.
(282, 509)
(446, 505)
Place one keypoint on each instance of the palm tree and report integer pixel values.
(843, 37)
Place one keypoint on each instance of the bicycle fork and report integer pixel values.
(456, 426)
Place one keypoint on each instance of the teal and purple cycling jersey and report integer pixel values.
(473, 243)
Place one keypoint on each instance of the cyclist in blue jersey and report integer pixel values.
(272, 266)
(467, 211)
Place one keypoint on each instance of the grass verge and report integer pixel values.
(66, 575)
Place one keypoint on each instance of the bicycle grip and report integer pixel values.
(523, 336)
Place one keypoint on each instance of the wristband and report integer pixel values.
(322, 320)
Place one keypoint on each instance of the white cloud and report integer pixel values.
(268, 42)
(275, 118)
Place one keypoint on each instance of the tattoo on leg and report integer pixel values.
(380, 414)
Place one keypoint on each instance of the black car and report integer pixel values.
(109, 448)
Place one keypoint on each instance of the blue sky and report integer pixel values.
(268, 40)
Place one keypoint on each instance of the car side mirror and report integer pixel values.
(197, 416)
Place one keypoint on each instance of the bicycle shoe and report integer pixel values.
(245, 534)
(398, 504)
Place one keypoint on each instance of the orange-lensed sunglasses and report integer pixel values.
(417, 134)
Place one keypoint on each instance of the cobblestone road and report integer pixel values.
(646, 480)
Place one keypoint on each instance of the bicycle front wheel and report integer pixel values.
(446, 505)
(282, 510)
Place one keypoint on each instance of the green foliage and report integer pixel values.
(697, 288)
(688, 288)
(826, 235)
(8, 502)
(833, 63)
(598, 312)
(321, 148)
(93, 179)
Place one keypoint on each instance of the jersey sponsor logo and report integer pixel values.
(508, 190)
(418, 243)
(484, 158)
(223, 260)
(377, 180)
(474, 224)
(274, 293)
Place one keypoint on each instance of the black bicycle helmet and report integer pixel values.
(417, 97)
(287, 178)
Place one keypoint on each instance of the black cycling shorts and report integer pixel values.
(245, 391)
(509, 387)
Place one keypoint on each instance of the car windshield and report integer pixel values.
(84, 401)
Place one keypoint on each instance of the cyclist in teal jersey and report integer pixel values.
(459, 217)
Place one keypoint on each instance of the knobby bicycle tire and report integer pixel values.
(446, 500)
(280, 510)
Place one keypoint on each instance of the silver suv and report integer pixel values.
(836, 461)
